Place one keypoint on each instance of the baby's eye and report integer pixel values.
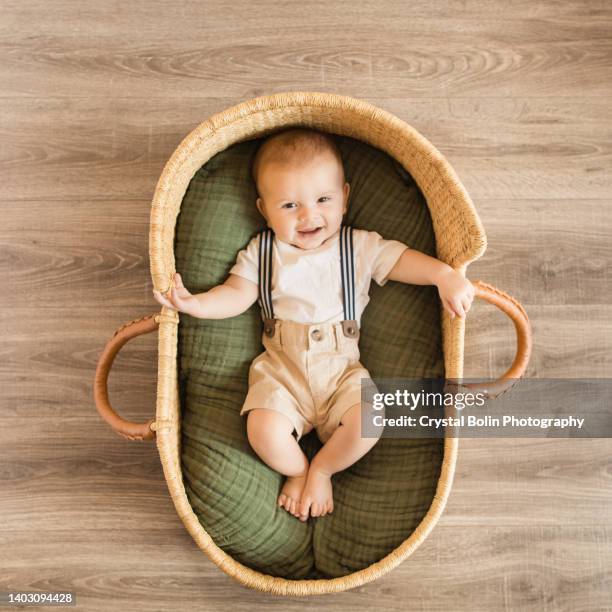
(288, 205)
(323, 198)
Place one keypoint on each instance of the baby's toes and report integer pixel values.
(303, 508)
(287, 504)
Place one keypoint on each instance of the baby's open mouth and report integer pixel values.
(310, 232)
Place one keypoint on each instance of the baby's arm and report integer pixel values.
(230, 299)
(456, 291)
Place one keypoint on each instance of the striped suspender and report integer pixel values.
(348, 273)
(347, 267)
(266, 242)
(266, 239)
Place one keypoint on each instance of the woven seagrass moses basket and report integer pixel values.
(459, 240)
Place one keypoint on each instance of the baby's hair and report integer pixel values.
(294, 144)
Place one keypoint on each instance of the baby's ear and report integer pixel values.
(260, 208)
(346, 190)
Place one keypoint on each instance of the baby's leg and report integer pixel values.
(270, 434)
(344, 447)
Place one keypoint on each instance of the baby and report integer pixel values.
(311, 275)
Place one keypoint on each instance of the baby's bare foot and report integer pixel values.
(290, 494)
(317, 498)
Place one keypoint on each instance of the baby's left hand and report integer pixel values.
(456, 292)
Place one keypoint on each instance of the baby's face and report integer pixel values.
(303, 204)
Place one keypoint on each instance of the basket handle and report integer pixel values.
(511, 307)
(127, 429)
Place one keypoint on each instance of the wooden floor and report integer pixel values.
(97, 95)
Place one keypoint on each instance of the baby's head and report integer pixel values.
(302, 192)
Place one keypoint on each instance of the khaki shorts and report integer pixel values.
(309, 373)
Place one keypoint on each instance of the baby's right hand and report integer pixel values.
(178, 298)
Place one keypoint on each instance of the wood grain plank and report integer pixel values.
(564, 258)
(568, 342)
(473, 568)
(91, 150)
(532, 482)
(118, 18)
(479, 57)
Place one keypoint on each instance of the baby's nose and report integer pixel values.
(308, 215)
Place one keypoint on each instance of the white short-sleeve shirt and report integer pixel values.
(307, 283)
